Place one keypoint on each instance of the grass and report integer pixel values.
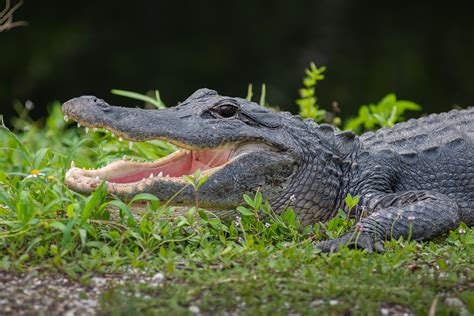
(248, 265)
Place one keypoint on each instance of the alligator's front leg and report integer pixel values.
(419, 215)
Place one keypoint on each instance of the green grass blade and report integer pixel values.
(137, 96)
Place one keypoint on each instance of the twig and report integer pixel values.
(6, 16)
(434, 303)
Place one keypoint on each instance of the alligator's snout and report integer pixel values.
(86, 100)
(77, 108)
(128, 123)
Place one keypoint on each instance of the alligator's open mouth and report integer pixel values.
(127, 173)
(176, 165)
(170, 168)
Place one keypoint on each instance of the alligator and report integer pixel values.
(415, 180)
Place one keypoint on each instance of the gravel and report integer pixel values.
(54, 294)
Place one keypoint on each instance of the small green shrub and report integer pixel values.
(308, 102)
(385, 113)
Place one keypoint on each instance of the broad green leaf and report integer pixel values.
(124, 209)
(407, 105)
(58, 225)
(289, 216)
(203, 215)
(202, 180)
(244, 211)
(92, 202)
(144, 197)
(352, 201)
(249, 200)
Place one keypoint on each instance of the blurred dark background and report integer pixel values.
(422, 52)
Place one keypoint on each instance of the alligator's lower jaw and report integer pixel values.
(127, 176)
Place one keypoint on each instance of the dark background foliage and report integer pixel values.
(420, 51)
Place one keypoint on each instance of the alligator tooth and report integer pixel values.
(87, 130)
(167, 176)
(124, 157)
(97, 178)
(78, 125)
(73, 165)
(160, 174)
(66, 118)
(151, 175)
(95, 129)
(120, 139)
(130, 145)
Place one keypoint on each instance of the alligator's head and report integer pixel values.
(241, 146)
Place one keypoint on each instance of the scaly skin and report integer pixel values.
(415, 179)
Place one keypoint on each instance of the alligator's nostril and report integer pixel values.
(103, 106)
(95, 100)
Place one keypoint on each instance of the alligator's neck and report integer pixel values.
(319, 186)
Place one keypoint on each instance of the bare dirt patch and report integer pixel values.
(53, 293)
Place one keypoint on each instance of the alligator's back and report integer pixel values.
(433, 153)
(424, 133)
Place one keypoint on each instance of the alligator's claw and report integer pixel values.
(356, 241)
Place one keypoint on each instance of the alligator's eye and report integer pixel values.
(226, 110)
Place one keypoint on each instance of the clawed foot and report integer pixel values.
(352, 240)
